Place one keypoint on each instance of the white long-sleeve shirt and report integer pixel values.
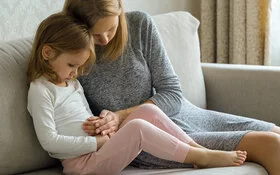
(58, 114)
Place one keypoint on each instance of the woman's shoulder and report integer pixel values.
(137, 13)
(137, 16)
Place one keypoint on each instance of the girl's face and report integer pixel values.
(105, 29)
(66, 64)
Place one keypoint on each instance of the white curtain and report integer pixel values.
(272, 42)
(236, 31)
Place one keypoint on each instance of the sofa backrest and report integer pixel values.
(20, 150)
(179, 32)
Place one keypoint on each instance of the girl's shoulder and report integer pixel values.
(40, 85)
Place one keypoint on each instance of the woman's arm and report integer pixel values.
(168, 95)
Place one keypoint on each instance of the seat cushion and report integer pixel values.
(247, 168)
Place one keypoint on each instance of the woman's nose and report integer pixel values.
(104, 39)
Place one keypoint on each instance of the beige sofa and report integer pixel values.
(246, 90)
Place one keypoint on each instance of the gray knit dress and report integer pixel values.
(144, 72)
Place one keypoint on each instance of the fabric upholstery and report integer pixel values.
(244, 90)
(20, 151)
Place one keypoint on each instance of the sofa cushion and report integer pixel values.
(247, 168)
(20, 150)
(179, 32)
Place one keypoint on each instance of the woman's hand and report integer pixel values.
(109, 122)
(106, 124)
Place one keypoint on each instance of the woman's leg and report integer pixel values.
(138, 135)
(263, 148)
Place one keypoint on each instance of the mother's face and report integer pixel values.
(105, 29)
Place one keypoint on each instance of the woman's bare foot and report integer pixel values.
(206, 158)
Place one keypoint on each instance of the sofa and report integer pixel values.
(245, 90)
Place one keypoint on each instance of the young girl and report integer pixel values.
(140, 72)
(63, 50)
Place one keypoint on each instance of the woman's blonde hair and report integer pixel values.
(62, 34)
(90, 11)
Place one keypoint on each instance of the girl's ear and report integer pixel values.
(47, 52)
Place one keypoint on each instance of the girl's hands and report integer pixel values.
(101, 140)
(89, 125)
(106, 124)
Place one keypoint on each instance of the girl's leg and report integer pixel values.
(152, 114)
(165, 146)
(124, 146)
(159, 143)
(138, 135)
(206, 158)
(263, 148)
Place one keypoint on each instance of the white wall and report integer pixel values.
(154, 6)
(20, 18)
(162, 6)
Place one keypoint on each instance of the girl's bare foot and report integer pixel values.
(206, 158)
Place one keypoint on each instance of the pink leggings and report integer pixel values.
(147, 129)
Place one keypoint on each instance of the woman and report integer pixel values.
(132, 68)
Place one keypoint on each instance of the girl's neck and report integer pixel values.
(63, 84)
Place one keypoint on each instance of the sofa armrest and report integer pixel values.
(252, 91)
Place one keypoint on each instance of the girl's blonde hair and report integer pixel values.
(90, 11)
(61, 33)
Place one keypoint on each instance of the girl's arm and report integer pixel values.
(101, 140)
(59, 146)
